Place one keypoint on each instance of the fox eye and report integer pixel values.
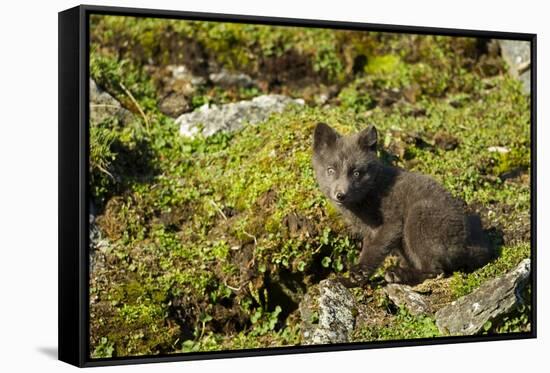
(330, 171)
(356, 174)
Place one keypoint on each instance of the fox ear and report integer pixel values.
(324, 136)
(368, 138)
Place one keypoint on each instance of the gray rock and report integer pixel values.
(226, 78)
(174, 104)
(498, 149)
(328, 314)
(405, 296)
(231, 117)
(103, 106)
(517, 55)
(493, 300)
(178, 85)
(321, 99)
(98, 246)
(182, 73)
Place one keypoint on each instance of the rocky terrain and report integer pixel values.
(208, 231)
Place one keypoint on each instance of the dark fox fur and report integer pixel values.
(395, 212)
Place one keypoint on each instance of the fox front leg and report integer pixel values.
(373, 253)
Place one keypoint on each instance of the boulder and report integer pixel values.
(405, 296)
(517, 55)
(209, 120)
(328, 314)
(103, 106)
(493, 300)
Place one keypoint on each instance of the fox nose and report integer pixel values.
(340, 196)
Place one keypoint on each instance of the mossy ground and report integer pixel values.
(212, 242)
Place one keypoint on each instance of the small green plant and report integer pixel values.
(126, 82)
(516, 159)
(385, 64)
(354, 98)
(104, 349)
(519, 322)
(264, 321)
(402, 326)
(102, 155)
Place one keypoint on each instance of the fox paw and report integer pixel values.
(392, 277)
(348, 282)
(357, 278)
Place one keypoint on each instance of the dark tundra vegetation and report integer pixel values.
(213, 242)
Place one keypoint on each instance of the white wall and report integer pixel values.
(28, 183)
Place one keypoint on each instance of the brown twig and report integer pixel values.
(232, 287)
(251, 236)
(106, 172)
(218, 209)
(134, 101)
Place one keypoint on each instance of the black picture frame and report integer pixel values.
(73, 110)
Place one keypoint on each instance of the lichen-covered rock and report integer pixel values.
(517, 55)
(405, 296)
(209, 120)
(493, 300)
(328, 314)
(104, 106)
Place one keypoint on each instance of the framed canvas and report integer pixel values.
(233, 186)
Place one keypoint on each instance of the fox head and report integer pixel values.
(345, 166)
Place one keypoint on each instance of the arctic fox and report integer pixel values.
(395, 212)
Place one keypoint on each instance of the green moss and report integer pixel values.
(508, 258)
(517, 158)
(201, 224)
(383, 64)
(402, 326)
(356, 98)
(332, 55)
(102, 155)
(215, 342)
(104, 349)
(124, 80)
(238, 172)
